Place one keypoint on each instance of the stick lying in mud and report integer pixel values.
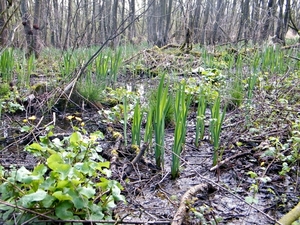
(180, 214)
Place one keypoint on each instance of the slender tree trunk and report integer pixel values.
(280, 29)
(36, 42)
(205, 20)
(27, 27)
(286, 18)
(152, 16)
(267, 25)
(196, 21)
(3, 23)
(255, 18)
(244, 21)
(114, 25)
(69, 20)
(61, 24)
(168, 21)
(131, 30)
(161, 39)
(217, 22)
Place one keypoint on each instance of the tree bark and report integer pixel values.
(69, 21)
(3, 23)
(36, 42)
(267, 25)
(27, 27)
(204, 26)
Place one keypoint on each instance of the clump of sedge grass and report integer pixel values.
(149, 127)
(182, 102)
(136, 125)
(7, 64)
(200, 124)
(215, 128)
(125, 110)
(100, 75)
(159, 121)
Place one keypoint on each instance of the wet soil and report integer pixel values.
(152, 195)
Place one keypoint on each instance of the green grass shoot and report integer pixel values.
(159, 122)
(182, 102)
(136, 125)
(200, 123)
(217, 118)
(125, 111)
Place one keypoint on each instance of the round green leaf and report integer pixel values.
(27, 200)
(63, 210)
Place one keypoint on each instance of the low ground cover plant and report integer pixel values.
(71, 182)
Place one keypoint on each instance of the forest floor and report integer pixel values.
(255, 182)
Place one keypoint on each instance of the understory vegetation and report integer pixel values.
(237, 99)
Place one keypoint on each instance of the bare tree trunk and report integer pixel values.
(114, 22)
(69, 20)
(27, 27)
(161, 24)
(196, 21)
(244, 21)
(3, 23)
(152, 21)
(217, 22)
(122, 36)
(168, 21)
(107, 19)
(131, 30)
(255, 20)
(286, 18)
(280, 29)
(61, 24)
(267, 25)
(36, 42)
(93, 24)
(205, 20)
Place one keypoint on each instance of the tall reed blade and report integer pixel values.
(215, 128)
(136, 125)
(159, 122)
(7, 64)
(149, 128)
(182, 102)
(125, 110)
(200, 124)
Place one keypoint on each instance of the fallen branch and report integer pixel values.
(182, 210)
(291, 46)
(291, 216)
(229, 159)
(136, 159)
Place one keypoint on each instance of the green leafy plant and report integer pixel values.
(200, 124)
(11, 101)
(216, 127)
(72, 184)
(136, 125)
(254, 187)
(182, 102)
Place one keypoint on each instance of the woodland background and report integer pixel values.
(82, 23)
